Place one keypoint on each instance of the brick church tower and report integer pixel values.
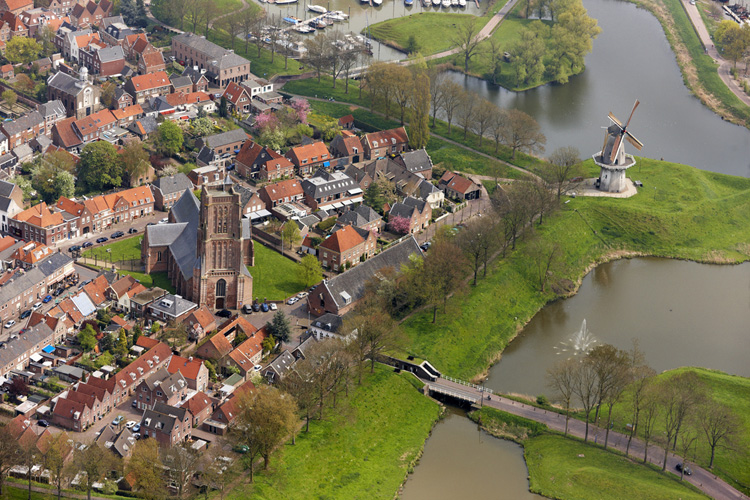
(224, 250)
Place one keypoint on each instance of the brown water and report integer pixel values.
(683, 314)
(461, 461)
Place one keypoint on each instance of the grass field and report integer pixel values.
(154, 279)
(567, 468)
(274, 276)
(698, 215)
(124, 249)
(361, 450)
(429, 29)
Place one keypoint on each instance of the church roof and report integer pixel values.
(181, 236)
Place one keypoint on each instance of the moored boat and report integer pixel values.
(462, 3)
(284, 2)
(446, 3)
(317, 8)
(436, 3)
(409, 3)
(290, 20)
(377, 3)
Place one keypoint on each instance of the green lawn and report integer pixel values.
(698, 215)
(429, 28)
(362, 450)
(154, 279)
(565, 468)
(274, 276)
(124, 249)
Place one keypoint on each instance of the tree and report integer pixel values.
(290, 234)
(467, 111)
(372, 331)
(24, 83)
(182, 463)
(135, 160)
(732, 40)
(649, 415)
(522, 132)
(301, 106)
(495, 54)
(584, 387)
(512, 206)
(679, 395)
(46, 37)
(379, 192)
(10, 98)
(51, 176)
(217, 472)
(265, 417)
(248, 17)
(400, 225)
(95, 462)
(412, 45)
(128, 11)
(146, 467)
(317, 53)
(544, 256)
(642, 378)
(223, 107)
(201, 127)
(233, 26)
(54, 460)
(279, 327)
(210, 12)
(498, 125)
(312, 273)
(29, 455)
(528, 56)
(563, 165)
(475, 241)
(403, 87)
(437, 78)
(169, 138)
(442, 273)
(100, 166)
(483, 118)
(108, 94)
(22, 50)
(465, 38)
(572, 37)
(419, 126)
(452, 100)
(379, 79)
(9, 453)
(719, 424)
(562, 379)
(87, 338)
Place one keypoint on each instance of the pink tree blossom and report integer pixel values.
(266, 121)
(401, 225)
(301, 107)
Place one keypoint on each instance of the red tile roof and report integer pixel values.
(203, 316)
(188, 368)
(220, 343)
(343, 240)
(345, 120)
(387, 137)
(66, 133)
(39, 215)
(146, 342)
(150, 60)
(134, 110)
(96, 290)
(457, 183)
(279, 190)
(150, 81)
(197, 403)
(7, 242)
(94, 122)
(306, 153)
(234, 92)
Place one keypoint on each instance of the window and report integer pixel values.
(221, 288)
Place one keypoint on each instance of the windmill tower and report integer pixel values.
(612, 158)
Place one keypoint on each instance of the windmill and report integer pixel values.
(612, 158)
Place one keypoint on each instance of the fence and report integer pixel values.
(126, 265)
(469, 384)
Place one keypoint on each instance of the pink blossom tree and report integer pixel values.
(301, 107)
(265, 122)
(400, 225)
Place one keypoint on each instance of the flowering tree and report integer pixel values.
(265, 122)
(401, 225)
(301, 107)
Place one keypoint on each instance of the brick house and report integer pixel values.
(143, 87)
(346, 247)
(459, 187)
(247, 354)
(161, 387)
(167, 190)
(151, 62)
(238, 98)
(222, 66)
(281, 192)
(258, 162)
(127, 115)
(329, 190)
(200, 407)
(210, 174)
(198, 78)
(384, 143)
(79, 97)
(71, 415)
(23, 129)
(418, 212)
(38, 223)
(362, 217)
(90, 128)
(346, 149)
(102, 60)
(167, 424)
(15, 6)
(200, 322)
(214, 348)
(309, 157)
(193, 371)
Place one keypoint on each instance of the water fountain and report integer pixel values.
(579, 344)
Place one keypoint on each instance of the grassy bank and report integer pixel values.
(126, 249)
(274, 276)
(363, 449)
(154, 279)
(565, 468)
(697, 215)
(429, 29)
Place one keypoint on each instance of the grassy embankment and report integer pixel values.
(362, 449)
(275, 277)
(125, 249)
(731, 464)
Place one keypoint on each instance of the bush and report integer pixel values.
(327, 224)
(542, 400)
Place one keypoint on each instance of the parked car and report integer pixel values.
(247, 309)
(136, 428)
(264, 307)
(273, 306)
(302, 295)
(117, 234)
(58, 292)
(102, 239)
(43, 423)
(164, 221)
(256, 307)
(130, 424)
(292, 300)
(151, 224)
(74, 248)
(132, 230)
(87, 244)
(134, 404)
(118, 419)
(36, 306)
(687, 471)
(25, 314)
(10, 324)
(47, 298)
(240, 448)
(224, 313)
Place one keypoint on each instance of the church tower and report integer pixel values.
(224, 248)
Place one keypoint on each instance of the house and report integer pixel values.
(15, 6)
(62, 7)
(122, 99)
(255, 206)
(362, 217)
(200, 407)
(6, 71)
(127, 115)
(417, 212)
(281, 192)
(65, 137)
(93, 127)
(210, 174)
(23, 129)
(200, 322)
(223, 416)
(171, 308)
(143, 87)
(339, 294)
(222, 66)
(328, 190)
(151, 62)
(144, 127)
(167, 190)
(103, 60)
(346, 122)
(197, 77)
(279, 367)
(247, 355)
(38, 223)
(215, 348)
(258, 162)
(386, 142)
(346, 150)
(73, 415)
(121, 290)
(417, 162)
(17, 352)
(121, 443)
(326, 326)
(90, 14)
(96, 290)
(167, 424)
(237, 97)
(161, 386)
(193, 371)
(346, 247)
(459, 187)
(224, 145)
(11, 203)
(52, 112)
(79, 97)
(309, 157)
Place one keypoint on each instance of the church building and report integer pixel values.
(205, 248)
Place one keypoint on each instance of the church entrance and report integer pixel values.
(221, 292)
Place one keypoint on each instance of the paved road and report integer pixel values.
(701, 478)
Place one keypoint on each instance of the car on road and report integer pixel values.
(10, 324)
(687, 471)
(132, 230)
(302, 295)
(292, 300)
(47, 298)
(256, 307)
(36, 305)
(273, 306)
(74, 248)
(257, 368)
(136, 428)
(247, 309)
(130, 424)
(224, 313)
(43, 423)
(87, 244)
(102, 239)
(117, 420)
(25, 314)
(117, 234)
(264, 307)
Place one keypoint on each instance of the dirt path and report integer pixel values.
(702, 479)
(245, 6)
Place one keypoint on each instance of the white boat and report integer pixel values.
(436, 3)
(341, 13)
(335, 17)
(284, 2)
(454, 3)
(446, 3)
(462, 3)
(317, 8)
(377, 2)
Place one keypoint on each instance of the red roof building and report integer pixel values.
(345, 247)
(308, 158)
